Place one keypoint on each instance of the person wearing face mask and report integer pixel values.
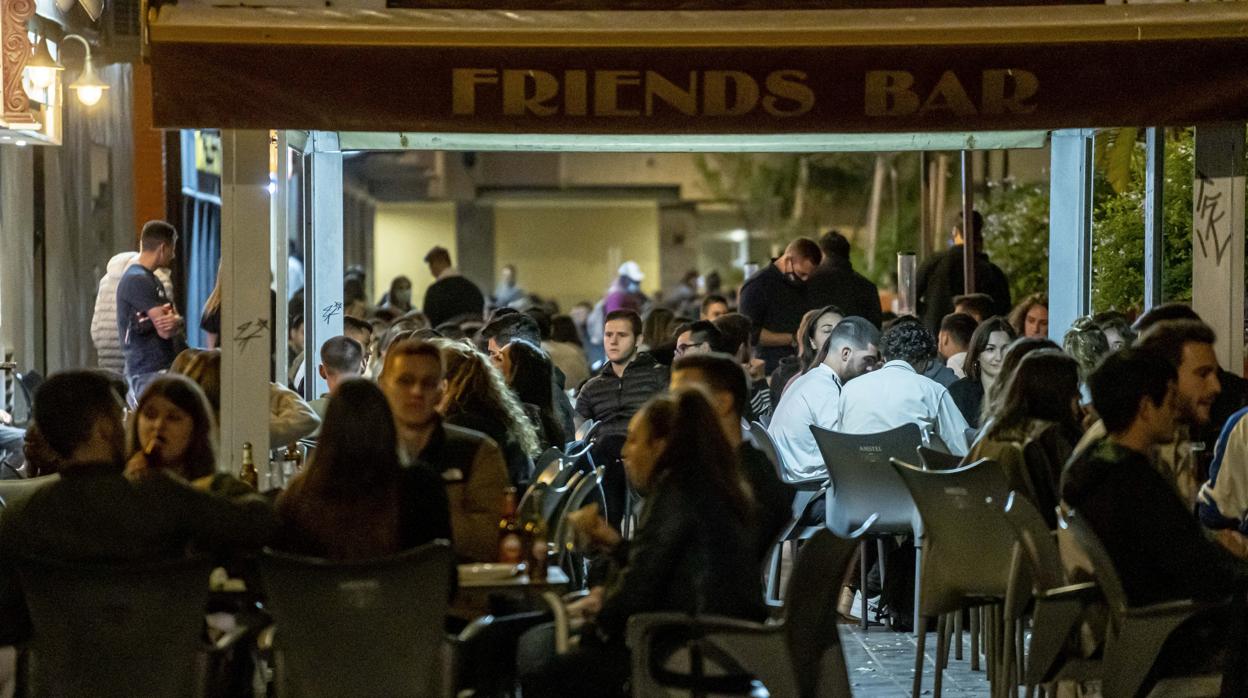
(148, 326)
(983, 365)
(399, 297)
(775, 300)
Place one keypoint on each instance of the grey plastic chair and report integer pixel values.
(372, 627)
(587, 489)
(807, 491)
(1058, 607)
(116, 630)
(938, 460)
(15, 489)
(547, 465)
(800, 656)
(1135, 634)
(968, 554)
(863, 486)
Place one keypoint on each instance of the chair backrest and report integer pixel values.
(938, 460)
(117, 629)
(968, 548)
(555, 499)
(14, 489)
(810, 618)
(370, 627)
(863, 484)
(763, 442)
(1036, 541)
(547, 464)
(585, 488)
(1103, 570)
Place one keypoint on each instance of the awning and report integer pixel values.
(700, 72)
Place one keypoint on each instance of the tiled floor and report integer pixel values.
(881, 664)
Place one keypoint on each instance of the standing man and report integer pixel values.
(775, 299)
(834, 282)
(148, 326)
(451, 297)
(627, 380)
(940, 278)
(813, 399)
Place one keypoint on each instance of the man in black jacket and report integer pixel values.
(775, 300)
(452, 297)
(940, 278)
(834, 282)
(628, 379)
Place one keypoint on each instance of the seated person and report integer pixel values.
(341, 358)
(470, 464)
(812, 399)
(1156, 545)
(354, 500)
(954, 340)
(95, 514)
(692, 552)
(736, 332)
(722, 378)
(895, 394)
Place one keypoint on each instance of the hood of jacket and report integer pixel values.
(120, 261)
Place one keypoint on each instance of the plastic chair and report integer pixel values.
(968, 557)
(862, 486)
(371, 627)
(1058, 605)
(1135, 634)
(938, 460)
(807, 491)
(547, 465)
(563, 539)
(116, 630)
(14, 489)
(800, 656)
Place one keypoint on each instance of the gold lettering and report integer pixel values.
(518, 100)
(889, 94)
(575, 93)
(464, 83)
(684, 101)
(607, 84)
(995, 99)
(715, 93)
(788, 85)
(949, 94)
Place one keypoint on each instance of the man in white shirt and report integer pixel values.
(895, 394)
(850, 351)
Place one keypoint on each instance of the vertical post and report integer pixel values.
(1070, 229)
(1218, 237)
(925, 208)
(280, 252)
(245, 321)
(968, 224)
(1154, 186)
(322, 258)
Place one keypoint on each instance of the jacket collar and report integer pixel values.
(643, 359)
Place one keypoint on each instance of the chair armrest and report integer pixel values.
(643, 624)
(816, 483)
(563, 622)
(1182, 607)
(229, 639)
(1085, 591)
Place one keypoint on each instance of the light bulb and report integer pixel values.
(89, 94)
(41, 78)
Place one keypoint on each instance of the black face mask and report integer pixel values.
(793, 278)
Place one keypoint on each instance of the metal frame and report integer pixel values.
(1070, 229)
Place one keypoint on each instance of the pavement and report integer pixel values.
(881, 664)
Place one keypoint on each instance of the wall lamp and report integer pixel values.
(42, 69)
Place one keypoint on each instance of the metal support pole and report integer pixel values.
(323, 303)
(1070, 229)
(1154, 186)
(279, 254)
(245, 321)
(968, 224)
(925, 208)
(1218, 237)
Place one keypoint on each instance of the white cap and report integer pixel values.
(632, 271)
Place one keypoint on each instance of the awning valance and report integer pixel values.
(700, 72)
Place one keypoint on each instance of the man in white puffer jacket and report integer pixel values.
(104, 319)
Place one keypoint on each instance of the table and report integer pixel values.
(556, 580)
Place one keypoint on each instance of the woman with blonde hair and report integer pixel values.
(477, 398)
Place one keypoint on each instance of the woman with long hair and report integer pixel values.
(529, 372)
(354, 500)
(693, 551)
(812, 333)
(983, 365)
(1014, 355)
(1030, 318)
(1036, 425)
(210, 316)
(173, 428)
(477, 398)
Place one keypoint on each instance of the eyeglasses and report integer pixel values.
(684, 347)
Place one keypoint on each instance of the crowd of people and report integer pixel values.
(434, 411)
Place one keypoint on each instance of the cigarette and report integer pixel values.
(151, 446)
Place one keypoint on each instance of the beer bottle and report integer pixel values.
(533, 538)
(248, 472)
(509, 546)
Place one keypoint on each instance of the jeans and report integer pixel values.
(138, 383)
(11, 440)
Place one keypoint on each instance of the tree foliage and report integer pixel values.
(1016, 234)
